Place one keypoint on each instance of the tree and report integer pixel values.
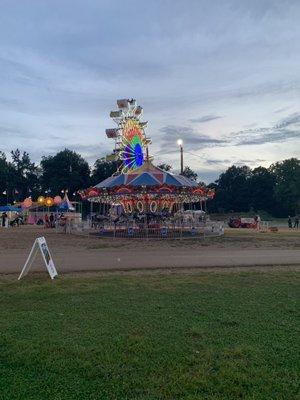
(189, 173)
(261, 185)
(18, 178)
(103, 169)
(233, 189)
(165, 167)
(287, 185)
(66, 170)
(6, 174)
(26, 175)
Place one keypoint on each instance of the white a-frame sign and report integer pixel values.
(40, 244)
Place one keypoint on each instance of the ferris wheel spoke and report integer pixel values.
(131, 163)
(130, 152)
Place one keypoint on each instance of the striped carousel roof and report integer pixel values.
(147, 175)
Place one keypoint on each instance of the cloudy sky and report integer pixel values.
(222, 75)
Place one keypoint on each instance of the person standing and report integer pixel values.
(258, 222)
(3, 219)
(290, 222)
(47, 224)
(296, 222)
(51, 218)
(17, 219)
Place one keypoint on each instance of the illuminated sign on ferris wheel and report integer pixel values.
(131, 143)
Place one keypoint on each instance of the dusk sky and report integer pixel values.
(222, 75)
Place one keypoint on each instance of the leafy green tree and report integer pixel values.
(3, 171)
(6, 173)
(18, 178)
(66, 170)
(189, 173)
(287, 185)
(165, 167)
(26, 175)
(103, 169)
(261, 185)
(233, 189)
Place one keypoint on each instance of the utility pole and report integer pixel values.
(180, 144)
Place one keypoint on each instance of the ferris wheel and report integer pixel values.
(131, 143)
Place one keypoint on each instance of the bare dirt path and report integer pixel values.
(73, 253)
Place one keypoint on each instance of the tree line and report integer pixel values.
(275, 190)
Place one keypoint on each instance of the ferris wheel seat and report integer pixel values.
(116, 114)
(123, 103)
(112, 133)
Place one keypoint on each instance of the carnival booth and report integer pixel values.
(13, 216)
(39, 212)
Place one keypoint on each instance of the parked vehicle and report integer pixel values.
(238, 222)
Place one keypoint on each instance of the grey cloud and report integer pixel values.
(289, 120)
(231, 161)
(268, 88)
(192, 139)
(281, 135)
(205, 118)
(250, 125)
(213, 161)
(251, 163)
(286, 129)
(6, 130)
(13, 132)
(68, 67)
(10, 103)
(90, 152)
(282, 109)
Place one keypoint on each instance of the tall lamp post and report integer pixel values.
(180, 144)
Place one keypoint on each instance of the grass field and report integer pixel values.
(150, 336)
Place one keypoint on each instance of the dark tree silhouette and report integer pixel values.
(66, 170)
(233, 189)
(103, 169)
(287, 184)
(165, 167)
(189, 173)
(275, 190)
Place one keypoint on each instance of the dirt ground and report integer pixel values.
(237, 248)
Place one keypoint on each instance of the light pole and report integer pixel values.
(180, 144)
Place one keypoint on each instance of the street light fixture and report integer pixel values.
(180, 144)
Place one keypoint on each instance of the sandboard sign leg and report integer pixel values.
(40, 244)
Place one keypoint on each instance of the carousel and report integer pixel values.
(140, 199)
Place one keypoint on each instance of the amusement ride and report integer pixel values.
(140, 199)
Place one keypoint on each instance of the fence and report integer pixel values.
(145, 230)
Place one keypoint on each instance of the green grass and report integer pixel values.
(152, 336)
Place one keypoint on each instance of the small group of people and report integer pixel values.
(49, 221)
(15, 220)
(296, 222)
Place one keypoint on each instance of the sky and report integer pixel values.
(224, 76)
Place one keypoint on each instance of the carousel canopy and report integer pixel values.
(147, 175)
(147, 183)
